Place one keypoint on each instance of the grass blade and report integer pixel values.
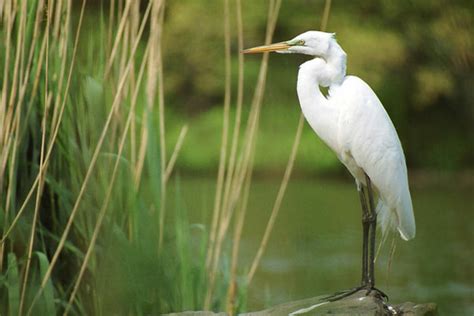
(13, 285)
(48, 292)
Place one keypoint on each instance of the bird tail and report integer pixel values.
(392, 220)
(406, 224)
(386, 219)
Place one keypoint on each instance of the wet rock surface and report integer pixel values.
(356, 304)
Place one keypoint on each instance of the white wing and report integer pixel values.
(368, 142)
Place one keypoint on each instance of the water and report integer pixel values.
(315, 245)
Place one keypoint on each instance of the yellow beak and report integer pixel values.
(267, 48)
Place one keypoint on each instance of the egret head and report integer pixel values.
(313, 43)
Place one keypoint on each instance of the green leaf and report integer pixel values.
(13, 285)
(48, 292)
(93, 92)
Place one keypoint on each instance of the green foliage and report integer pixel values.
(46, 305)
(416, 55)
(129, 269)
(48, 294)
(13, 285)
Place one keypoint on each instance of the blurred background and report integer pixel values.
(416, 55)
(137, 211)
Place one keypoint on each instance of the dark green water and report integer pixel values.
(315, 245)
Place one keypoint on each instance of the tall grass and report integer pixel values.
(238, 170)
(78, 150)
(84, 171)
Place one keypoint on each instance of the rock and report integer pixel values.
(196, 314)
(357, 304)
(412, 309)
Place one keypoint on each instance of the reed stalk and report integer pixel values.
(216, 214)
(232, 288)
(110, 188)
(55, 127)
(4, 134)
(93, 161)
(6, 106)
(118, 38)
(40, 64)
(19, 52)
(286, 176)
(39, 193)
(240, 93)
(161, 113)
(63, 53)
(211, 263)
(174, 155)
(244, 163)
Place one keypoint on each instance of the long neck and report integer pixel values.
(317, 109)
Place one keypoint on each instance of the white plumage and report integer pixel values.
(354, 124)
(352, 121)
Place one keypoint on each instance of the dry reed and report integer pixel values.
(93, 161)
(286, 176)
(216, 214)
(110, 188)
(235, 168)
(223, 214)
(240, 217)
(27, 74)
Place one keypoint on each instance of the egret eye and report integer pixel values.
(299, 43)
(296, 42)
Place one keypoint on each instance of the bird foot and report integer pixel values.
(377, 293)
(369, 290)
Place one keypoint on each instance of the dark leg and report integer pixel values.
(369, 222)
(372, 220)
(372, 228)
(365, 249)
(365, 234)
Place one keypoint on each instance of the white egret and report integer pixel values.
(354, 124)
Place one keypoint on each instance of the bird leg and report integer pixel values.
(372, 223)
(369, 222)
(365, 234)
(365, 249)
(372, 227)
